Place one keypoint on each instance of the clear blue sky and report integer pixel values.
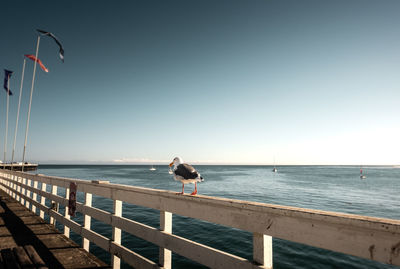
(304, 82)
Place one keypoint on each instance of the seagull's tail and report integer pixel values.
(201, 179)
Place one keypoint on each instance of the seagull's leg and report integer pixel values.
(195, 189)
(183, 187)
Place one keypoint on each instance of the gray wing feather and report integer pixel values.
(186, 171)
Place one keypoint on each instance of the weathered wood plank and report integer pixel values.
(35, 258)
(56, 250)
(9, 260)
(22, 258)
(206, 255)
(132, 258)
(1, 262)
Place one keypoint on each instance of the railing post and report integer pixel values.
(53, 191)
(14, 179)
(28, 193)
(6, 183)
(262, 250)
(13, 186)
(34, 196)
(9, 184)
(66, 215)
(165, 256)
(86, 221)
(116, 234)
(23, 191)
(42, 200)
(18, 189)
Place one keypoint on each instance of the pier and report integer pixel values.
(371, 238)
(19, 166)
(27, 240)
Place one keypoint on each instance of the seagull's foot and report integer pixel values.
(179, 193)
(194, 192)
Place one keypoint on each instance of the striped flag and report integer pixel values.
(56, 40)
(33, 58)
(8, 74)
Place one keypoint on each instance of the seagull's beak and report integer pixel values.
(171, 164)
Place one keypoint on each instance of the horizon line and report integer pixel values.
(214, 164)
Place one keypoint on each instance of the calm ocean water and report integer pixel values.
(333, 188)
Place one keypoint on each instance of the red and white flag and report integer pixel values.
(33, 58)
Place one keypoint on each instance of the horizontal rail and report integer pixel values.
(367, 237)
(210, 257)
(129, 256)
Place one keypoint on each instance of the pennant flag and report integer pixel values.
(56, 40)
(33, 58)
(8, 74)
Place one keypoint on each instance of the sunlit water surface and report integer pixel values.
(332, 188)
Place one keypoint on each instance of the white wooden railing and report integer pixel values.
(367, 237)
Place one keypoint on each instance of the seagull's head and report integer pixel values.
(176, 161)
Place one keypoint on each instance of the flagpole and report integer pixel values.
(5, 137)
(30, 104)
(19, 105)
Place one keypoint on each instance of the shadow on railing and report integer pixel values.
(367, 237)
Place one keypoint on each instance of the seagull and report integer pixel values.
(185, 173)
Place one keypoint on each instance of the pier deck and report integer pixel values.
(21, 227)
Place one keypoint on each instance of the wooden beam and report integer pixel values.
(262, 250)
(42, 200)
(87, 221)
(116, 234)
(34, 195)
(28, 193)
(165, 255)
(66, 215)
(54, 192)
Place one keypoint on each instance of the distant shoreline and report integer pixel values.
(202, 164)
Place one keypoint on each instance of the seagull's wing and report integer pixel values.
(186, 171)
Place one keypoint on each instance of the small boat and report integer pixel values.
(274, 170)
(152, 168)
(362, 176)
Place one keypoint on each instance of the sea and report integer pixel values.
(331, 188)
